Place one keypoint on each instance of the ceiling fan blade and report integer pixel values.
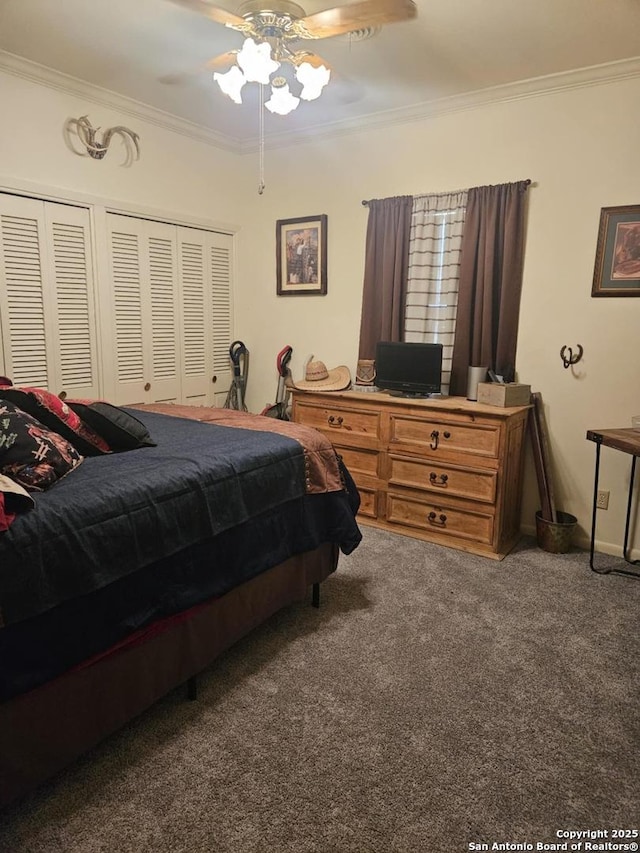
(357, 16)
(224, 60)
(313, 59)
(211, 11)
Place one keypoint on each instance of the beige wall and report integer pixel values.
(174, 173)
(578, 146)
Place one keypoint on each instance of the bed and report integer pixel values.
(136, 570)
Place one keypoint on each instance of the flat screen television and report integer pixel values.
(409, 369)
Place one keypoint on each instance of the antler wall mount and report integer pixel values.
(98, 147)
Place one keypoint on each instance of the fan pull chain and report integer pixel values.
(261, 141)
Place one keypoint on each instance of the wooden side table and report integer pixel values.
(626, 441)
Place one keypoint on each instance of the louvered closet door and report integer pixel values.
(221, 260)
(165, 365)
(47, 310)
(204, 263)
(143, 270)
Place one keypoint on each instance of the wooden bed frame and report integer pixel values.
(46, 729)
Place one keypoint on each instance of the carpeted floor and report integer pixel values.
(436, 701)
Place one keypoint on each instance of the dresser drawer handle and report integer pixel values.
(435, 435)
(438, 479)
(334, 421)
(435, 519)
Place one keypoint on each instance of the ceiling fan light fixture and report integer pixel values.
(231, 83)
(281, 101)
(255, 61)
(313, 80)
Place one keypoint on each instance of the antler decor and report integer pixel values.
(97, 149)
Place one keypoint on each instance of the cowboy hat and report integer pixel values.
(318, 378)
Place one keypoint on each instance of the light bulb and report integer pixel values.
(281, 101)
(231, 82)
(313, 80)
(255, 60)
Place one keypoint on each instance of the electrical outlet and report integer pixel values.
(602, 500)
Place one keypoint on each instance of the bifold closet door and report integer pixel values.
(47, 308)
(144, 281)
(220, 248)
(204, 263)
(171, 297)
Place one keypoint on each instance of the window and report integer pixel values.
(435, 242)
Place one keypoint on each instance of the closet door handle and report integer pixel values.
(434, 439)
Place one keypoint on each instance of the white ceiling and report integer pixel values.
(452, 49)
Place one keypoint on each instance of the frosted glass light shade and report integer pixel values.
(231, 83)
(313, 80)
(255, 60)
(281, 101)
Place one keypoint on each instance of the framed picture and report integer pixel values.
(301, 256)
(617, 269)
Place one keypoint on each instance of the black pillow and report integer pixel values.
(118, 428)
(32, 455)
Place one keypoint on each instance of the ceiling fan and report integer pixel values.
(271, 36)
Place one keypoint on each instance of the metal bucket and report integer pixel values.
(555, 536)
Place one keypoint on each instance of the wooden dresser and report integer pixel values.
(445, 470)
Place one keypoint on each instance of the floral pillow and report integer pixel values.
(32, 455)
(55, 414)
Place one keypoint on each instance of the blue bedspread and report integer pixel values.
(115, 515)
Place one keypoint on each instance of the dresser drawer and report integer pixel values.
(478, 484)
(440, 518)
(368, 502)
(341, 424)
(359, 461)
(431, 436)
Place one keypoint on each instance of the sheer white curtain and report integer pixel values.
(437, 223)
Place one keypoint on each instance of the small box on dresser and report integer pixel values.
(504, 394)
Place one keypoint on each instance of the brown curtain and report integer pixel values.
(490, 282)
(385, 272)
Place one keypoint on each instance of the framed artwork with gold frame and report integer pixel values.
(617, 267)
(301, 256)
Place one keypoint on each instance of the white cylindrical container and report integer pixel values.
(475, 375)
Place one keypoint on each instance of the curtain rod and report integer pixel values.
(365, 201)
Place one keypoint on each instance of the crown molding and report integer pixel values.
(41, 74)
(594, 75)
